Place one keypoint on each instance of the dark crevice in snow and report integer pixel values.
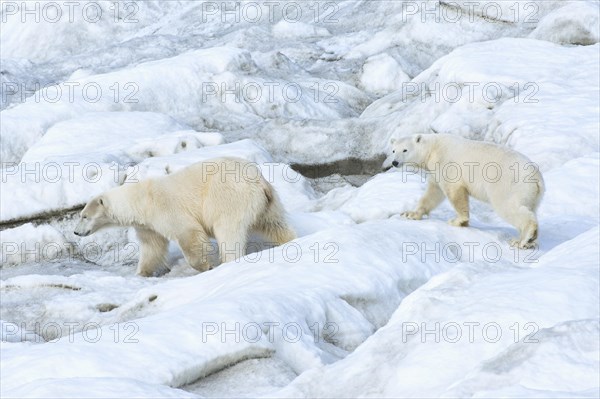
(247, 378)
(344, 167)
(60, 286)
(42, 218)
(458, 10)
(195, 374)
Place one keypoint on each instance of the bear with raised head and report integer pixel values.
(222, 198)
(458, 168)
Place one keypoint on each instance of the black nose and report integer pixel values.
(395, 164)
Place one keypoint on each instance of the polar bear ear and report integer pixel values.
(418, 138)
(392, 141)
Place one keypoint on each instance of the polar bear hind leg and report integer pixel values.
(271, 223)
(525, 221)
(528, 228)
(276, 232)
(273, 226)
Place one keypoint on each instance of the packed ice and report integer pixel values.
(98, 94)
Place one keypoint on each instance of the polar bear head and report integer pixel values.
(94, 216)
(407, 150)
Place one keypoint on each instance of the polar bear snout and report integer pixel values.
(81, 229)
(388, 163)
(80, 234)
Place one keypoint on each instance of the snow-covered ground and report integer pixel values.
(363, 302)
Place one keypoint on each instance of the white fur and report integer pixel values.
(458, 168)
(223, 198)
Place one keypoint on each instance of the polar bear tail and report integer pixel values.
(272, 222)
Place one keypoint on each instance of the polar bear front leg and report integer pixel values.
(459, 198)
(431, 199)
(153, 253)
(196, 246)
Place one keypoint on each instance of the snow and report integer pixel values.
(363, 302)
(225, 81)
(285, 29)
(105, 388)
(100, 132)
(44, 239)
(575, 23)
(382, 74)
(493, 362)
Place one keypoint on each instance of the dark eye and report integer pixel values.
(393, 152)
(84, 217)
(405, 151)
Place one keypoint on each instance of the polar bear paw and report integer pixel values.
(155, 271)
(459, 222)
(412, 215)
(516, 243)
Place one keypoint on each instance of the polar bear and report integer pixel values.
(458, 168)
(222, 198)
